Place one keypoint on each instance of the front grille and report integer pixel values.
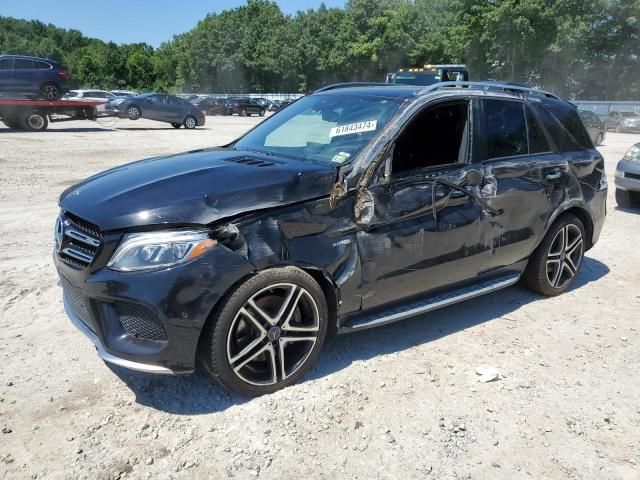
(635, 176)
(77, 301)
(77, 241)
(139, 321)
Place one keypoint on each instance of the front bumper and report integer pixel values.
(103, 354)
(628, 175)
(148, 321)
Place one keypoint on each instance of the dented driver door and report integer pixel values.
(415, 235)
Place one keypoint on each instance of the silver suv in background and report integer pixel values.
(628, 178)
(626, 122)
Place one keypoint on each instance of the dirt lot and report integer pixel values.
(399, 402)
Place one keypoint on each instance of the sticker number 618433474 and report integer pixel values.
(359, 127)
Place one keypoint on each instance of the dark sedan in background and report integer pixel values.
(160, 107)
(32, 76)
(210, 106)
(596, 127)
(244, 107)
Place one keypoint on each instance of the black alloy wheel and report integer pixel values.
(268, 333)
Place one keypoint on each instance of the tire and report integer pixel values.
(33, 121)
(50, 91)
(243, 113)
(554, 265)
(239, 336)
(262, 113)
(599, 139)
(176, 125)
(134, 112)
(618, 129)
(190, 123)
(12, 123)
(624, 198)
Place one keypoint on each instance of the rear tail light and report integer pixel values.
(63, 73)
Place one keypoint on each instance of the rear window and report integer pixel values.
(23, 64)
(505, 129)
(564, 125)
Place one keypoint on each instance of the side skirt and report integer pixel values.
(432, 303)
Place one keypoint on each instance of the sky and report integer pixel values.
(131, 21)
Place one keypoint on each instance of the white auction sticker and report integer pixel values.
(350, 128)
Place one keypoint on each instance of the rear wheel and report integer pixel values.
(176, 125)
(268, 333)
(554, 264)
(624, 198)
(618, 128)
(190, 123)
(50, 91)
(262, 113)
(33, 121)
(600, 138)
(243, 113)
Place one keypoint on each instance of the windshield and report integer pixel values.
(418, 78)
(627, 114)
(322, 128)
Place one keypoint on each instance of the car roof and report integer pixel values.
(29, 58)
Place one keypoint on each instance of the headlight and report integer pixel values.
(633, 154)
(144, 251)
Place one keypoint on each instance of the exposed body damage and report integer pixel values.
(375, 242)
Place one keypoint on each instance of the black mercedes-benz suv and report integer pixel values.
(356, 206)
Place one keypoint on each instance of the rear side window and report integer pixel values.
(564, 125)
(23, 64)
(42, 65)
(537, 140)
(6, 64)
(505, 129)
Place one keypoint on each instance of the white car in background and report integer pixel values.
(92, 95)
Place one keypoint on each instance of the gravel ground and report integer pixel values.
(399, 402)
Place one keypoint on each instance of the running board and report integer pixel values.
(433, 303)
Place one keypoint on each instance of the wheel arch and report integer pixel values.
(582, 213)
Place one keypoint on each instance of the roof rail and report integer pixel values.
(336, 86)
(505, 87)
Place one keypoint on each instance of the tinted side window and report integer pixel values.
(537, 140)
(505, 128)
(6, 64)
(42, 65)
(564, 125)
(23, 64)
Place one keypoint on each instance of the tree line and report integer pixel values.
(577, 48)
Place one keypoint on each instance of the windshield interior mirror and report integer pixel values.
(329, 115)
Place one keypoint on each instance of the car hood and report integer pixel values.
(198, 187)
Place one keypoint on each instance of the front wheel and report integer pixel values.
(190, 123)
(555, 263)
(262, 113)
(176, 125)
(268, 333)
(623, 198)
(618, 128)
(134, 112)
(243, 113)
